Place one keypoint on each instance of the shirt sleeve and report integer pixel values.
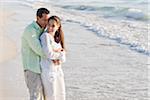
(63, 57)
(34, 42)
(47, 47)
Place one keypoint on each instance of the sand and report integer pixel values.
(96, 68)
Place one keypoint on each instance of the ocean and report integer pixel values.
(124, 21)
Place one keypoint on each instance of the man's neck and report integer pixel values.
(39, 25)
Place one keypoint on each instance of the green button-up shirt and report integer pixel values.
(31, 48)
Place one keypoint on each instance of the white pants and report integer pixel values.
(53, 82)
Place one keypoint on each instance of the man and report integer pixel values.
(32, 52)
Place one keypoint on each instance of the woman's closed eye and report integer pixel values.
(53, 25)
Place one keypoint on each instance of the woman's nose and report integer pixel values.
(50, 27)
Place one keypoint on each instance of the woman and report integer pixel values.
(52, 42)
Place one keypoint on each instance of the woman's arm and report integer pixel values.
(63, 56)
(47, 47)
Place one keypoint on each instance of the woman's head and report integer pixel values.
(53, 24)
(55, 29)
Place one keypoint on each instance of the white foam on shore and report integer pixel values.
(130, 33)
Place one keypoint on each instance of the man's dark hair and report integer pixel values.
(41, 11)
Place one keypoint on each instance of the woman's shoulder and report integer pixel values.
(44, 34)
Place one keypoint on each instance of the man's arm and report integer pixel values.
(34, 42)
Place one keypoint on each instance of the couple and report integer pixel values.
(43, 52)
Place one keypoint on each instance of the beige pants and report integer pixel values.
(34, 84)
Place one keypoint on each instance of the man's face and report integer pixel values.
(43, 20)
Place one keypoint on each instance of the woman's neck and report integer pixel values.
(51, 35)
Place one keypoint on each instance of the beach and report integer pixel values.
(97, 68)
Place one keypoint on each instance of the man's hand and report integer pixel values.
(56, 62)
(58, 50)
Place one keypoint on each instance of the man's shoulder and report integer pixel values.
(30, 28)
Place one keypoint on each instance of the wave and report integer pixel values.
(121, 38)
(132, 13)
(81, 7)
(130, 33)
(111, 11)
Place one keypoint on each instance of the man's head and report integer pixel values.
(42, 17)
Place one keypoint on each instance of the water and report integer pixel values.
(125, 21)
(122, 9)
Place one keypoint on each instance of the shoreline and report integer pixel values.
(96, 68)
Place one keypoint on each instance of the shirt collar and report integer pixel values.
(37, 26)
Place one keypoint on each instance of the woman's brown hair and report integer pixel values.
(59, 34)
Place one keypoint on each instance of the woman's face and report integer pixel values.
(52, 27)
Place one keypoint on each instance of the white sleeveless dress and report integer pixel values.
(52, 75)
